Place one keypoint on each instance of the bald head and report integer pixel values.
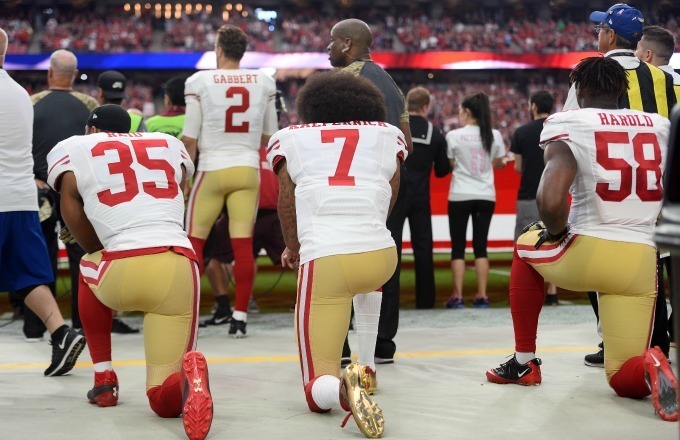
(3, 47)
(63, 62)
(350, 41)
(63, 69)
(356, 30)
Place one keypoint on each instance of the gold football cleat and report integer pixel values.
(368, 379)
(367, 414)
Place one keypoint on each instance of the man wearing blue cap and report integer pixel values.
(618, 31)
(649, 89)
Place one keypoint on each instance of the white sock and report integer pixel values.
(326, 391)
(523, 358)
(100, 367)
(366, 318)
(240, 316)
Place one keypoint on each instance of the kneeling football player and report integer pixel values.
(339, 177)
(122, 201)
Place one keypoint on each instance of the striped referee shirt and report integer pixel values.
(650, 89)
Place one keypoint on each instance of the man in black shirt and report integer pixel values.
(350, 50)
(59, 113)
(529, 162)
(429, 148)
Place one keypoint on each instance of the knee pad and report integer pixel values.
(166, 400)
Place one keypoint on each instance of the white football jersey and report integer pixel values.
(342, 174)
(228, 111)
(472, 176)
(130, 186)
(621, 155)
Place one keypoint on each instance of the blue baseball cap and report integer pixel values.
(623, 19)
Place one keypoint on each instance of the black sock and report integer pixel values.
(222, 302)
(59, 333)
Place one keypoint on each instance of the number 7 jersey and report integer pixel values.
(129, 184)
(621, 154)
(342, 174)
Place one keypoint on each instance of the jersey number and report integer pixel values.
(349, 147)
(124, 168)
(229, 126)
(604, 190)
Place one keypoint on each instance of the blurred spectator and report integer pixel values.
(429, 151)
(91, 32)
(529, 162)
(19, 32)
(472, 151)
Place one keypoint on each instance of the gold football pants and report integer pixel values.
(623, 273)
(165, 287)
(237, 187)
(326, 287)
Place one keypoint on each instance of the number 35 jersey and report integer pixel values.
(342, 174)
(620, 155)
(129, 184)
(228, 111)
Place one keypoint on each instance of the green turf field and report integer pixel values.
(274, 288)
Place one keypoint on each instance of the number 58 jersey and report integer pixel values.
(228, 111)
(130, 186)
(342, 174)
(621, 154)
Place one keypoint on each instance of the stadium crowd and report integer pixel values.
(88, 32)
(304, 31)
(480, 119)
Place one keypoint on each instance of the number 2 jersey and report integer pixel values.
(228, 111)
(620, 154)
(130, 186)
(342, 174)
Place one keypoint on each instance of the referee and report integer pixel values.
(650, 90)
(429, 148)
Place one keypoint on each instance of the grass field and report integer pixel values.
(274, 287)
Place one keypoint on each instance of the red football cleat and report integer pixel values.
(105, 391)
(514, 372)
(197, 411)
(662, 383)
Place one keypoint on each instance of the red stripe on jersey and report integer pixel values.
(274, 146)
(275, 163)
(555, 138)
(58, 162)
(400, 155)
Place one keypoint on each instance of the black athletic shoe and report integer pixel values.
(122, 328)
(221, 317)
(237, 328)
(595, 359)
(514, 372)
(65, 352)
(383, 360)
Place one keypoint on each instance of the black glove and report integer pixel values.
(545, 236)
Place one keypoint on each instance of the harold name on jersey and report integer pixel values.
(245, 78)
(324, 124)
(627, 120)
